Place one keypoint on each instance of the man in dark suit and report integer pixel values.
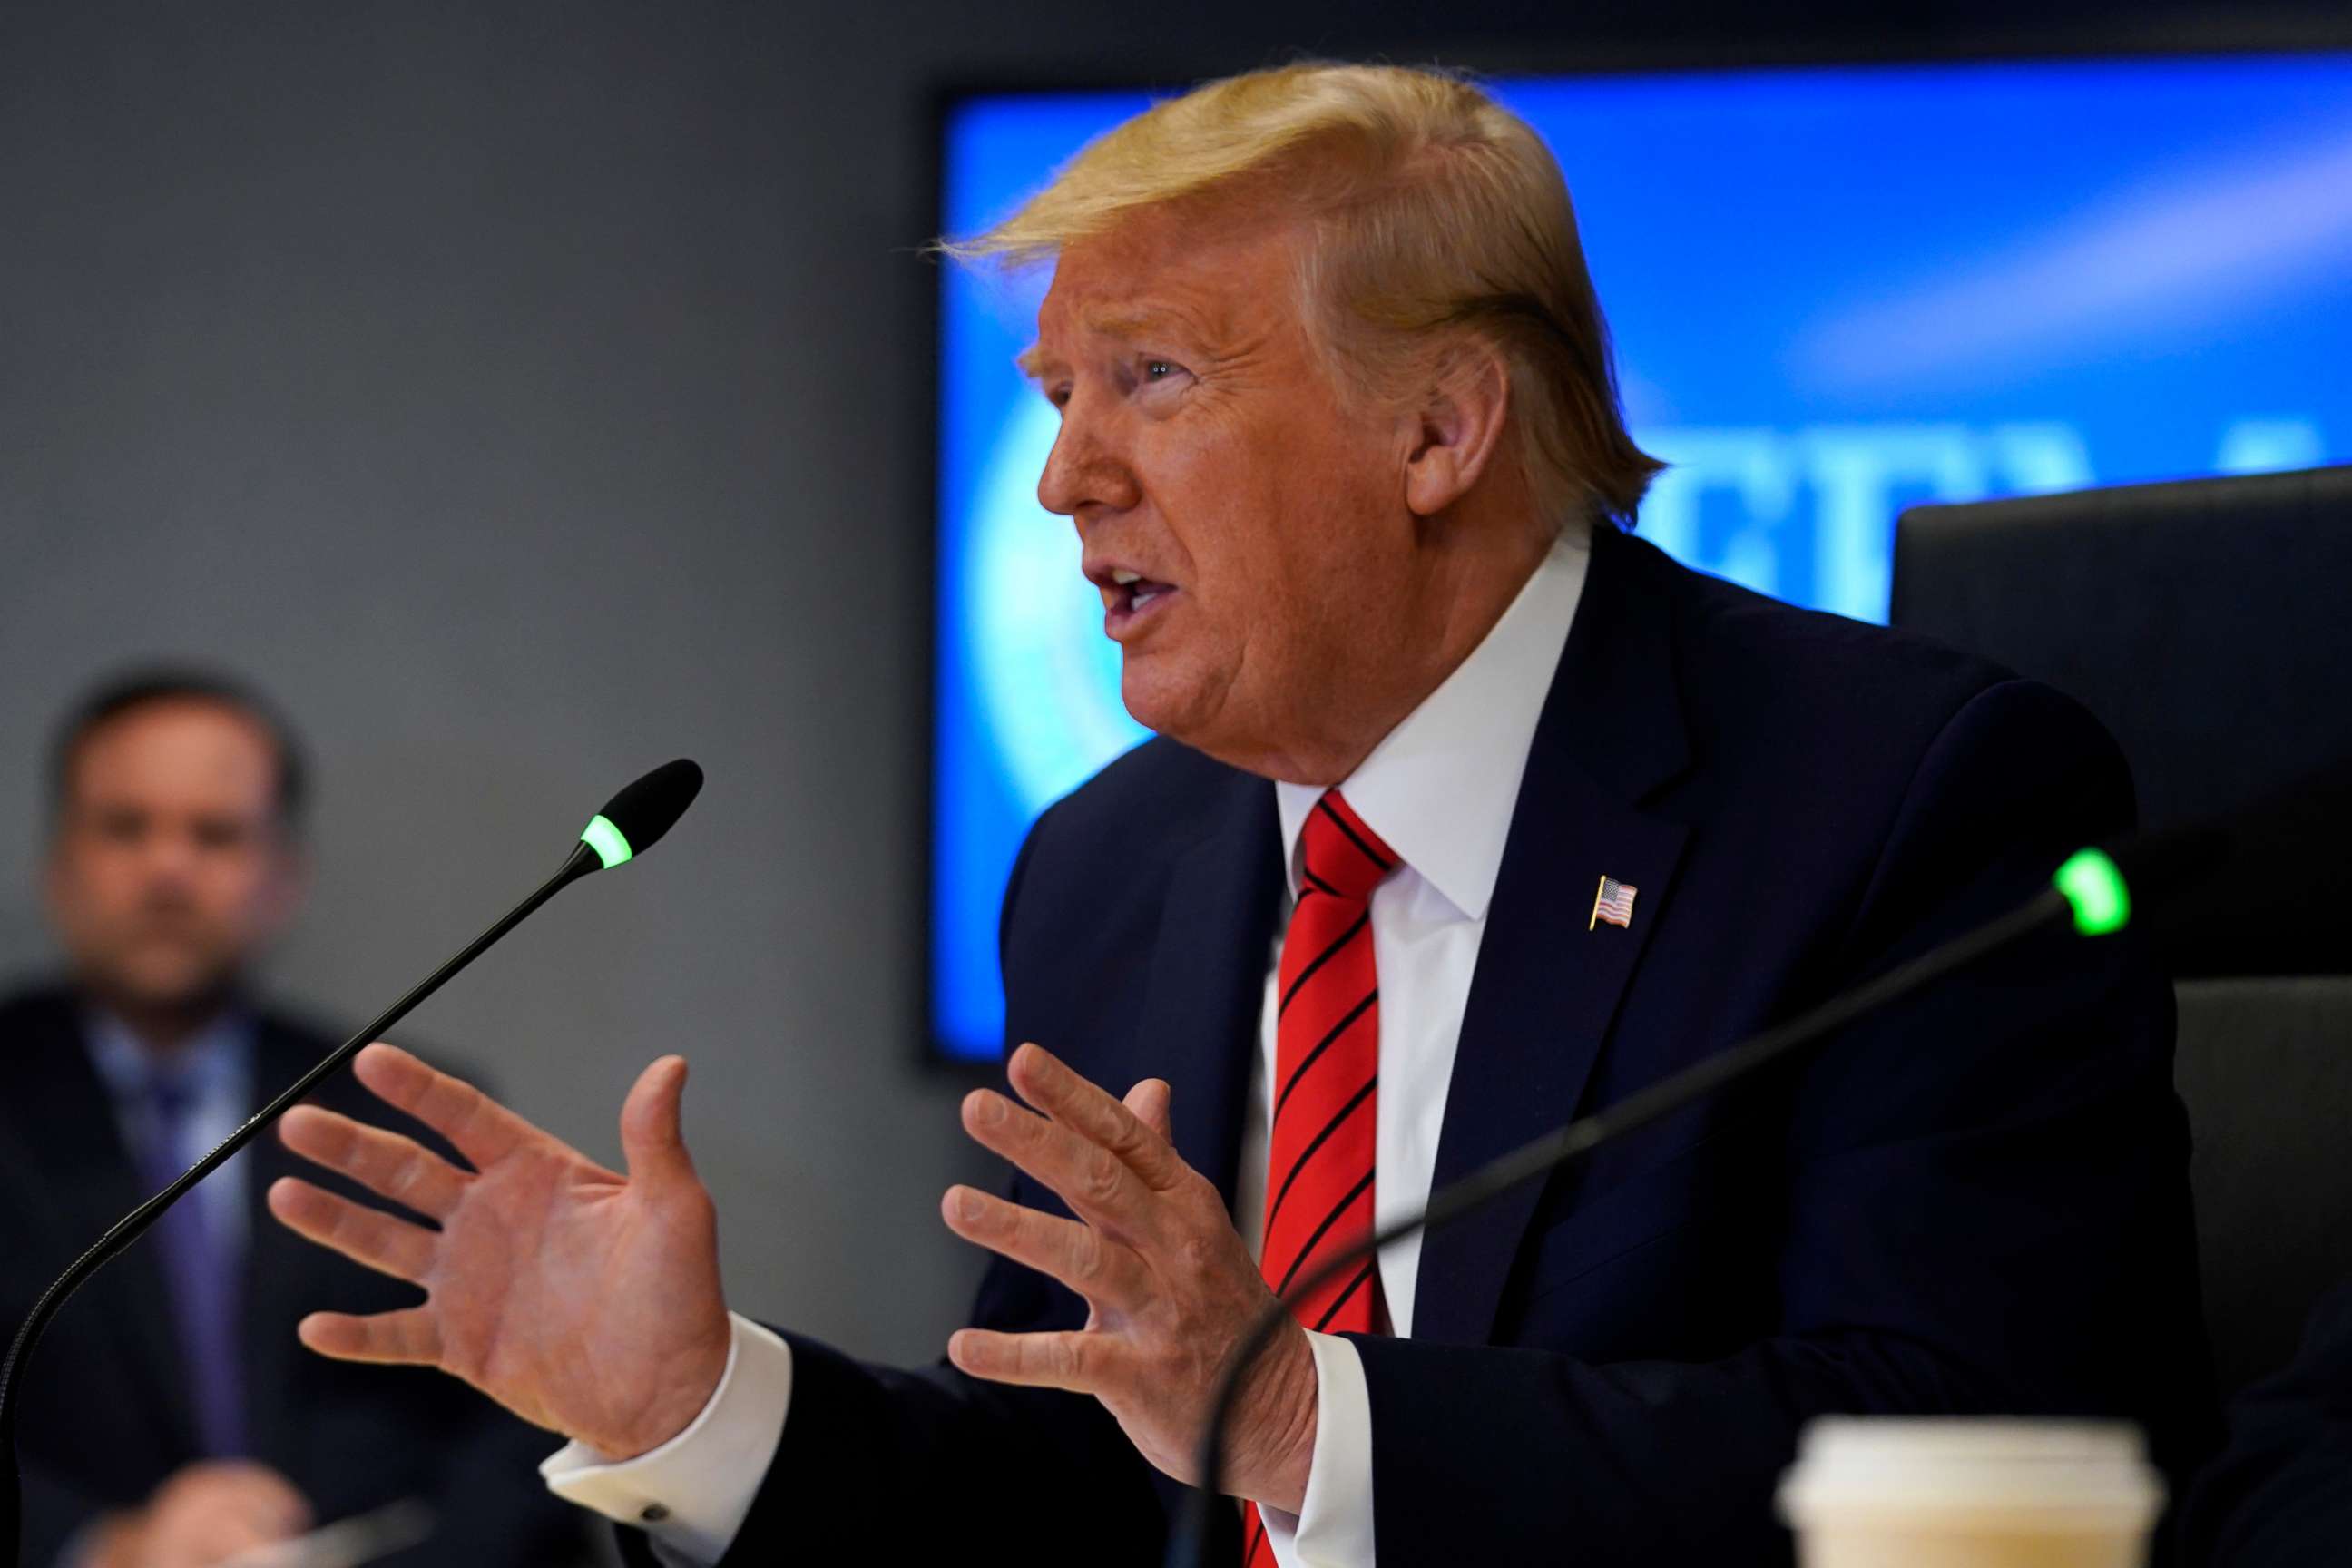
(1471, 814)
(170, 1420)
(2280, 1494)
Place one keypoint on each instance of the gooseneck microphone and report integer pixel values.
(631, 823)
(2095, 888)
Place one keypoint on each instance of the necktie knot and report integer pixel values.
(169, 1095)
(1338, 854)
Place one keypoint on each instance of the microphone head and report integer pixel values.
(2109, 887)
(634, 820)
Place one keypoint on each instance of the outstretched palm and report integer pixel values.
(583, 1300)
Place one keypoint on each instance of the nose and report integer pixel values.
(169, 858)
(1087, 472)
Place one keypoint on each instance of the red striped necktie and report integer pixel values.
(1318, 1192)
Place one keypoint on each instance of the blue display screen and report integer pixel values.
(1834, 292)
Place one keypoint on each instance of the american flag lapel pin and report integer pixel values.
(1613, 902)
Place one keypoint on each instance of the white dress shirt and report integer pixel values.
(1440, 789)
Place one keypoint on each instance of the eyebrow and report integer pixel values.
(1133, 324)
(1031, 361)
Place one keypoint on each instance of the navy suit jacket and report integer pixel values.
(1977, 1201)
(2280, 1496)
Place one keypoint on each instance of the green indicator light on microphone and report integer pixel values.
(2095, 888)
(611, 847)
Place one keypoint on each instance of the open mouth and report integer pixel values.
(1130, 597)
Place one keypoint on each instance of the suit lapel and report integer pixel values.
(64, 1115)
(1548, 982)
(1199, 1025)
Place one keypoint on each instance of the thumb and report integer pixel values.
(651, 1141)
(1150, 1100)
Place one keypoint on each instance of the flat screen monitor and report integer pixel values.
(1834, 292)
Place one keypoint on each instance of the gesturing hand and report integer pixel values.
(201, 1515)
(1169, 1284)
(581, 1299)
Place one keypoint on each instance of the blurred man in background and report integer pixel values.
(170, 1421)
(2280, 1495)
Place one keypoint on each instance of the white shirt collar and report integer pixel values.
(212, 1060)
(1442, 785)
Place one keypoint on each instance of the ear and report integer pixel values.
(1458, 427)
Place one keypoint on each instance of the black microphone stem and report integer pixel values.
(133, 1225)
(1191, 1542)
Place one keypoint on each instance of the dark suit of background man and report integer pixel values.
(2280, 1495)
(1551, 816)
(171, 1419)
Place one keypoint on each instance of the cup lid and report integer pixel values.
(2096, 1471)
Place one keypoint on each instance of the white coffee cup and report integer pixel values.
(1905, 1492)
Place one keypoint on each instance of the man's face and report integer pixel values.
(168, 869)
(1205, 452)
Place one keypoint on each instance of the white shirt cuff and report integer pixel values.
(1333, 1526)
(691, 1495)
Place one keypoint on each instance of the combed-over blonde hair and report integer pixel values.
(1434, 211)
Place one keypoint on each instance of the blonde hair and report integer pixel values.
(1434, 211)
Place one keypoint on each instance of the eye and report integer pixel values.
(213, 834)
(1158, 369)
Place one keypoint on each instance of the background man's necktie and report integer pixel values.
(202, 1279)
(1326, 1089)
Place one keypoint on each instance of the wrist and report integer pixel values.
(1271, 1469)
(685, 1395)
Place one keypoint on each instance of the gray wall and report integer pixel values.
(527, 394)
(519, 396)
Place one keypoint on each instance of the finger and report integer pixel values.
(1083, 1259)
(652, 1135)
(1072, 1360)
(383, 1162)
(274, 1504)
(1096, 1182)
(481, 1129)
(293, 1508)
(249, 1484)
(407, 1338)
(386, 1245)
(1150, 1102)
(225, 1534)
(266, 1513)
(1046, 1083)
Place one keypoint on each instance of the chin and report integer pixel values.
(1184, 706)
(171, 987)
(1158, 700)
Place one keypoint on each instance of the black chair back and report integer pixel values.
(2208, 624)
